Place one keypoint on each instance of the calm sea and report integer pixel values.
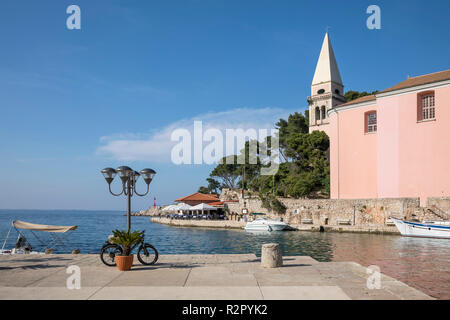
(421, 263)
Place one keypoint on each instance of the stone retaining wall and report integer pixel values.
(360, 215)
(367, 213)
(224, 224)
(442, 203)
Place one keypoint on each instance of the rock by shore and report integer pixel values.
(153, 211)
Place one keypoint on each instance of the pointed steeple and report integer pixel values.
(327, 69)
(327, 88)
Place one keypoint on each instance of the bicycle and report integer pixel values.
(146, 254)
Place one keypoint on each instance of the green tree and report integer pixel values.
(213, 187)
(352, 95)
(303, 172)
(228, 172)
(296, 123)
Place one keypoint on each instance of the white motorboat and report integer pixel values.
(59, 237)
(263, 224)
(427, 229)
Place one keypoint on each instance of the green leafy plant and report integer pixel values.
(270, 202)
(126, 240)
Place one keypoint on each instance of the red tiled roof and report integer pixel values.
(408, 83)
(421, 80)
(199, 197)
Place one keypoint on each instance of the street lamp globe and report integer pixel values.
(136, 176)
(124, 173)
(109, 174)
(129, 178)
(148, 175)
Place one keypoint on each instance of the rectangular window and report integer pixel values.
(428, 107)
(371, 122)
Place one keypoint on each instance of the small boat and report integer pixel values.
(59, 235)
(427, 229)
(263, 224)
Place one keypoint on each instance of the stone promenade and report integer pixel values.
(193, 277)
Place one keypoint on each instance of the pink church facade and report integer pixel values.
(393, 144)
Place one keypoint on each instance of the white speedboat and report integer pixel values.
(427, 229)
(263, 224)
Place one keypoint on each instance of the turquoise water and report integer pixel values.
(421, 263)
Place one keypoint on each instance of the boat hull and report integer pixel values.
(258, 228)
(415, 229)
(265, 226)
(278, 227)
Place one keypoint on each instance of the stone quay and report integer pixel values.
(195, 277)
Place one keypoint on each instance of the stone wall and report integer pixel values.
(332, 212)
(442, 203)
(225, 224)
(359, 214)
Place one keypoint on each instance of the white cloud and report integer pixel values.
(157, 146)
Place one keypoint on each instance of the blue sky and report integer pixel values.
(138, 69)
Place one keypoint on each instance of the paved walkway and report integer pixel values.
(194, 277)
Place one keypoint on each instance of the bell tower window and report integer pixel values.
(317, 114)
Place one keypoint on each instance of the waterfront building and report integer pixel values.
(198, 198)
(394, 144)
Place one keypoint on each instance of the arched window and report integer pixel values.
(324, 112)
(317, 114)
(337, 91)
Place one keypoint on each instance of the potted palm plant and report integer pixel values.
(127, 241)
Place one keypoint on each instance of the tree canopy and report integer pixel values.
(303, 169)
(353, 95)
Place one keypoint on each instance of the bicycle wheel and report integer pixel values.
(147, 254)
(108, 254)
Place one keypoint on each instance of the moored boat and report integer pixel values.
(23, 246)
(263, 224)
(427, 229)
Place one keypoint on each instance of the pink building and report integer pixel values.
(393, 144)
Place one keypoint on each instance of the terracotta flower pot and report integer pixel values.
(124, 263)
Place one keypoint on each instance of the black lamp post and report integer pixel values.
(129, 178)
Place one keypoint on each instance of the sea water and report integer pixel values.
(419, 262)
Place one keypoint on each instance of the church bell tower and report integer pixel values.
(327, 90)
